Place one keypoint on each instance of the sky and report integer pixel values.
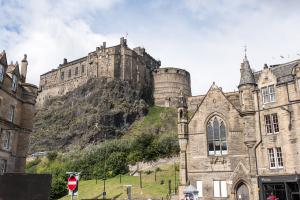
(205, 37)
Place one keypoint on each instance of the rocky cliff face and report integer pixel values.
(85, 115)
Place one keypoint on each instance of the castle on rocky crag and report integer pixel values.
(116, 62)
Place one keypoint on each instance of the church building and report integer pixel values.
(243, 145)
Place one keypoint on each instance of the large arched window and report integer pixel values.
(216, 136)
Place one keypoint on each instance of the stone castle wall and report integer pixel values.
(116, 62)
(168, 84)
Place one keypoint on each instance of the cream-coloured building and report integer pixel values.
(245, 144)
(17, 100)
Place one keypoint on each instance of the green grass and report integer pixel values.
(91, 190)
(158, 118)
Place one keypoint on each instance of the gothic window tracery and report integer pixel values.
(216, 136)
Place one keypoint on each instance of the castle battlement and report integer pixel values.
(115, 62)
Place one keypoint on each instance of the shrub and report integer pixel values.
(52, 155)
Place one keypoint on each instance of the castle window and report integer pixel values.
(216, 136)
(271, 124)
(268, 94)
(76, 71)
(6, 140)
(275, 158)
(14, 83)
(220, 189)
(82, 69)
(69, 75)
(11, 113)
(1, 73)
(2, 166)
(62, 76)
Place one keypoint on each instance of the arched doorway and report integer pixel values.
(242, 192)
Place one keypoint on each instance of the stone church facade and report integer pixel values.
(245, 144)
(17, 108)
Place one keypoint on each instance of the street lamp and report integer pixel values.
(104, 191)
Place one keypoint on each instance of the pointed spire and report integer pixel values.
(246, 72)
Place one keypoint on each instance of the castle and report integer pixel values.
(116, 62)
(243, 145)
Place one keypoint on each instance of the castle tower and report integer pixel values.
(169, 82)
(183, 141)
(247, 92)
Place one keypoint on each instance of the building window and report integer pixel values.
(70, 73)
(11, 114)
(199, 188)
(268, 94)
(62, 76)
(275, 158)
(216, 136)
(2, 166)
(76, 71)
(271, 124)
(220, 189)
(6, 140)
(1, 73)
(14, 83)
(82, 69)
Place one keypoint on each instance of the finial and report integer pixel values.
(245, 51)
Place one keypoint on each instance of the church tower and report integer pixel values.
(183, 140)
(247, 88)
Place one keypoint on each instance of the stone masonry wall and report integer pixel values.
(168, 84)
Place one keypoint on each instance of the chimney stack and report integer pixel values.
(65, 61)
(24, 64)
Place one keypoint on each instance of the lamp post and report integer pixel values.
(104, 189)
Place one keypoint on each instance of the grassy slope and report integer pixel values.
(160, 120)
(90, 190)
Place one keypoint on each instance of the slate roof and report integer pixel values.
(246, 73)
(283, 72)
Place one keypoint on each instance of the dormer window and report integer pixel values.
(1, 73)
(14, 83)
(268, 94)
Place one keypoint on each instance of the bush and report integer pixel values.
(58, 187)
(52, 156)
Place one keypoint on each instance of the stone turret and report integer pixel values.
(247, 88)
(183, 140)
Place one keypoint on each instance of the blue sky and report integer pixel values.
(205, 37)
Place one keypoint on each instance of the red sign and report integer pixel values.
(72, 183)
